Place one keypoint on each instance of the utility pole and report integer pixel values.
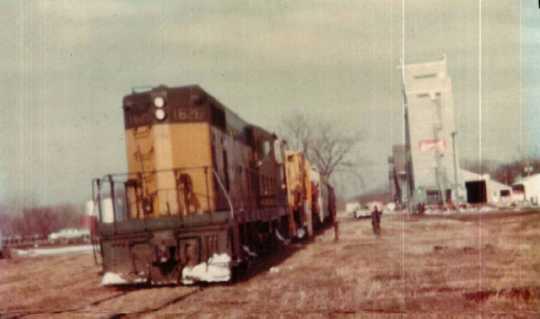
(456, 186)
(411, 193)
(440, 176)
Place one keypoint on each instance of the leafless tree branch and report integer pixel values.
(325, 145)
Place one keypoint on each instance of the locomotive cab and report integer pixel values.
(171, 211)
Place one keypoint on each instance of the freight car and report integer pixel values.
(205, 192)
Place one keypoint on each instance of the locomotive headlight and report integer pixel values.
(160, 114)
(159, 102)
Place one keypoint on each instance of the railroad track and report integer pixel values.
(93, 306)
(98, 304)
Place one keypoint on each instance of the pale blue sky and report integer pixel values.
(65, 66)
(531, 72)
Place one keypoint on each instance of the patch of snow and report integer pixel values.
(432, 211)
(248, 251)
(482, 209)
(216, 270)
(20, 252)
(274, 270)
(69, 233)
(54, 251)
(301, 233)
(281, 238)
(220, 259)
(485, 209)
(111, 278)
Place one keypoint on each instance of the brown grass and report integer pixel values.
(418, 268)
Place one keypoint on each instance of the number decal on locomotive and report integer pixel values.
(190, 115)
(138, 119)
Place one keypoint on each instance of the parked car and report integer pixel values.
(362, 211)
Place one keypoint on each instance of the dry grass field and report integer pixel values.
(475, 266)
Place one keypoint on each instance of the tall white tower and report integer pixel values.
(431, 130)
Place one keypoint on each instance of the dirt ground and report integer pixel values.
(480, 266)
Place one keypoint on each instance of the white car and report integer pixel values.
(362, 211)
(69, 235)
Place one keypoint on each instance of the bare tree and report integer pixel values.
(42, 220)
(298, 132)
(504, 172)
(6, 222)
(331, 149)
(325, 145)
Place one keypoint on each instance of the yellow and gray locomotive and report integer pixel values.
(204, 192)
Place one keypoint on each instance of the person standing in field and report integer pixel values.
(376, 220)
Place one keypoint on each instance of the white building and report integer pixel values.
(481, 189)
(527, 188)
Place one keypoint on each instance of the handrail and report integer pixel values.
(164, 170)
(225, 192)
(111, 181)
(93, 229)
